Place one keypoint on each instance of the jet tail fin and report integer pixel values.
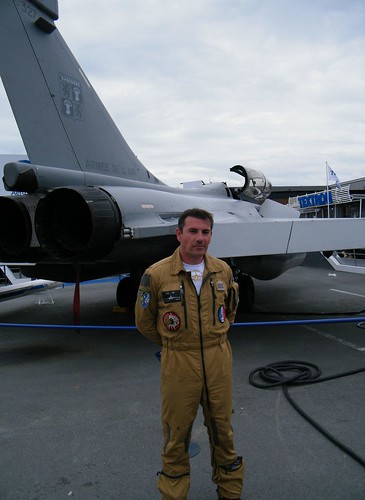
(61, 119)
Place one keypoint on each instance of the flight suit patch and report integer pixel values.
(220, 286)
(146, 280)
(144, 298)
(171, 296)
(172, 321)
(222, 314)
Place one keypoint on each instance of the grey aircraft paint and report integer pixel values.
(90, 207)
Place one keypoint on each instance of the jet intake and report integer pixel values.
(78, 224)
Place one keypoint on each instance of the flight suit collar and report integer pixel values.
(177, 265)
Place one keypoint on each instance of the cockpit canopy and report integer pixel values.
(256, 186)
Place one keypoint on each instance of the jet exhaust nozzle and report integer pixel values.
(78, 224)
(15, 228)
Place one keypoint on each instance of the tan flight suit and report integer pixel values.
(196, 367)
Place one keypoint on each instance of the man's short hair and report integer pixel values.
(197, 213)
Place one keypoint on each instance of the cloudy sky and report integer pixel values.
(198, 86)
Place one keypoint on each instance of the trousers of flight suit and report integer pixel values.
(190, 378)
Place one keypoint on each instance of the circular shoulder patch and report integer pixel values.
(172, 321)
(222, 314)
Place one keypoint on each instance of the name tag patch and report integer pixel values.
(171, 296)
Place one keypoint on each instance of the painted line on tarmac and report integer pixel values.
(347, 293)
(336, 339)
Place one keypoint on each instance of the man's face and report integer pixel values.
(194, 239)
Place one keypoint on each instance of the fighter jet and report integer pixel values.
(89, 208)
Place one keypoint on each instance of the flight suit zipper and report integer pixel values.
(202, 351)
(183, 301)
(202, 343)
(214, 299)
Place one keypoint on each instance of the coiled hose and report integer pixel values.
(285, 373)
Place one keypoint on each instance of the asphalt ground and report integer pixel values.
(80, 411)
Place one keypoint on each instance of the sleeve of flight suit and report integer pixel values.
(146, 309)
(232, 298)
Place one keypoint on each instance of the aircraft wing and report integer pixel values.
(13, 287)
(9, 292)
(273, 236)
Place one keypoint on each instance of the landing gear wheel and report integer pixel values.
(246, 293)
(126, 293)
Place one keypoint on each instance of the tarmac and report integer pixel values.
(80, 411)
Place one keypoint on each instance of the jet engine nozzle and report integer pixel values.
(15, 228)
(78, 224)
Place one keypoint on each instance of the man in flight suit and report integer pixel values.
(186, 303)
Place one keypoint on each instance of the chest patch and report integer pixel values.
(220, 286)
(171, 321)
(171, 296)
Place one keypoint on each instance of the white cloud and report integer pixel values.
(196, 87)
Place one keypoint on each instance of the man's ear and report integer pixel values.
(178, 234)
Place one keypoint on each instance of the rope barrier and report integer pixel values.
(67, 327)
(133, 327)
(301, 321)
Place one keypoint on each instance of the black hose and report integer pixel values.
(284, 373)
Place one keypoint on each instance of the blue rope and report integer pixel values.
(132, 327)
(300, 322)
(66, 327)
